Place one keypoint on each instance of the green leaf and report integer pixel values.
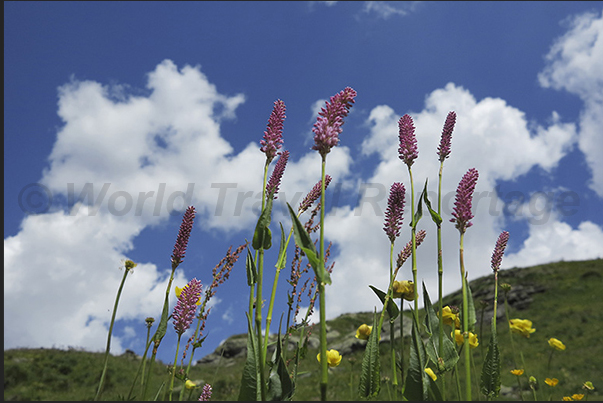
(449, 356)
(435, 217)
(490, 380)
(419, 211)
(434, 392)
(282, 251)
(417, 386)
(303, 240)
(250, 388)
(471, 308)
(280, 385)
(392, 308)
(262, 237)
(250, 268)
(162, 326)
(370, 378)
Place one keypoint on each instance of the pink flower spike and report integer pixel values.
(444, 147)
(273, 136)
(408, 141)
(184, 311)
(395, 209)
(499, 250)
(462, 201)
(183, 236)
(277, 175)
(328, 124)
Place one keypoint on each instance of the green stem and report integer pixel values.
(174, 368)
(465, 323)
(440, 277)
(102, 379)
(141, 367)
(414, 244)
(324, 379)
(258, 302)
(402, 341)
(391, 327)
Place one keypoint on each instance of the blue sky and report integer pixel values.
(140, 94)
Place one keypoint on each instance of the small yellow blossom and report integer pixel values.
(448, 316)
(333, 358)
(178, 291)
(458, 337)
(551, 382)
(404, 289)
(556, 344)
(189, 384)
(363, 332)
(522, 326)
(431, 374)
(567, 399)
(577, 396)
(517, 372)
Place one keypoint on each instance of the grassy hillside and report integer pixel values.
(563, 300)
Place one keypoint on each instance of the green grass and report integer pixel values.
(569, 308)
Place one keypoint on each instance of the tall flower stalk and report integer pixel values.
(326, 136)
(271, 143)
(393, 223)
(408, 153)
(177, 257)
(462, 216)
(443, 153)
(129, 265)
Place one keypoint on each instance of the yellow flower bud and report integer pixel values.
(460, 339)
(556, 344)
(404, 289)
(189, 384)
(333, 358)
(431, 374)
(522, 326)
(363, 332)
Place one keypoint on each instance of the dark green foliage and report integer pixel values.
(569, 308)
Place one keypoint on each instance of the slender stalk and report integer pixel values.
(141, 367)
(121, 286)
(171, 389)
(402, 341)
(391, 327)
(465, 324)
(440, 277)
(414, 244)
(258, 303)
(273, 294)
(324, 378)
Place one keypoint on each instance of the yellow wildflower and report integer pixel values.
(517, 372)
(551, 382)
(448, 316)
(363, 332)
(458, 337)
(567, 399)
(178, 291)
(333, 358)
(189, 384)
(404, 289)
(556, 344)
(431, 374)
(577, 396)
(522, 326)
